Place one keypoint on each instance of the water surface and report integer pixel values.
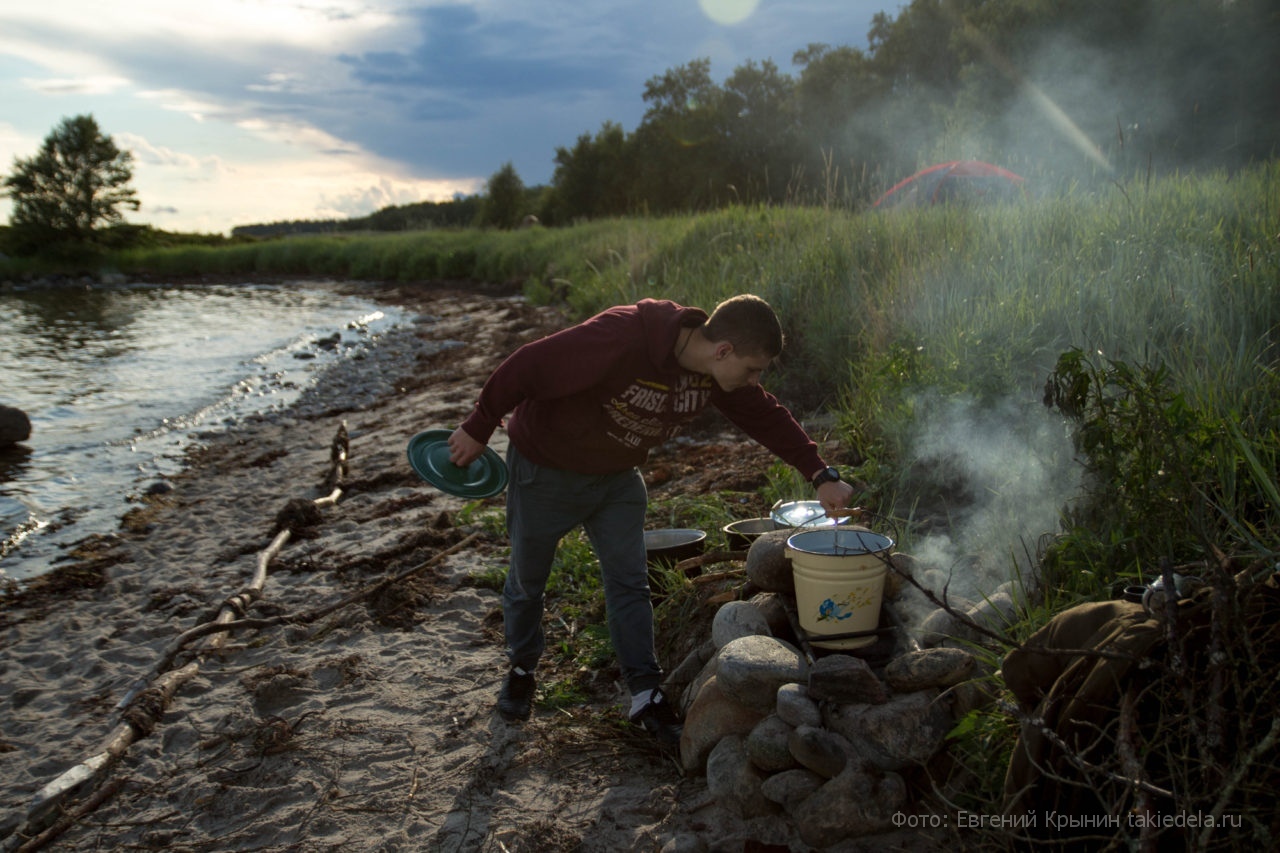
(120, 381)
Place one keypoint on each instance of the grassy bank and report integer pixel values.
(931, 334)
(1071, 392)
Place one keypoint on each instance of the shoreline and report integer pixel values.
(111, 426)
(372, 729)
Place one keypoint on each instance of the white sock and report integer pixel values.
(639, 700)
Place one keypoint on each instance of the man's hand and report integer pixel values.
(834, 497)
(463, 449)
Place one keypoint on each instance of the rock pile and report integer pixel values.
(781, 726)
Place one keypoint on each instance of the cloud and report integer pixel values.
(432, 97)
(75, 86)
(363, 201)
(157, 155)
(461, 54)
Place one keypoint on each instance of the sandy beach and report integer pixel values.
(368, 724)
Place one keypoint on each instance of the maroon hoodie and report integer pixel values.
(596, 397)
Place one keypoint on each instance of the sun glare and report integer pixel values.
(728, 11)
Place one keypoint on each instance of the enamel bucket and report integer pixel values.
(839, 574)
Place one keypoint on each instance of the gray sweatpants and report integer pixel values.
(544, 504)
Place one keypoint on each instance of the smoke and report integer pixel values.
(989, 480)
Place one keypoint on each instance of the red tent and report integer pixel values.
(957, 180)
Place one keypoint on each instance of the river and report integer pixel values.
(119, 382)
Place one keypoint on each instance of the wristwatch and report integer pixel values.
(826, 475)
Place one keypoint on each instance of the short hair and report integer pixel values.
(747, 322)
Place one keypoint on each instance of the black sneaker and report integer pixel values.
(515, 700)
(660, 719)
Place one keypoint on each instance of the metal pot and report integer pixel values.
(741, 533)
(671, 545)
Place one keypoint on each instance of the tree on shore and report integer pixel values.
(77, 183)
(503, 206)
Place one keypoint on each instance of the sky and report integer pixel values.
(250, 111)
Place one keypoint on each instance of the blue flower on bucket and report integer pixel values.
(830, 610)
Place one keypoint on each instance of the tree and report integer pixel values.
(78, 181)
(679, 149)
(759, 129)
(504, 204)
(593, 178)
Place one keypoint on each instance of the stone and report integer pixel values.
(682, 682)
(824, 752)
(773, 606)
(927, 668)
(751, 669)
(796, 708)
(791, 787)
(957, 622)
(712, 717)
(767, 564)
(735, 782)
(856, 803)
(737, 619)
(900, 566)
(1012, 589)
(767, 745)
(969, 696)
(15, 426)
(994, 613)
(907, 730)
(940, 626)
(934, 580)
(845, 679)
(905, 564)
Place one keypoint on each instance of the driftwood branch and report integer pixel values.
(713, 577)
(145, 702)
(68, 819)
(687, 566)
(88, 773)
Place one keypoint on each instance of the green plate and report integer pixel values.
(429, 456)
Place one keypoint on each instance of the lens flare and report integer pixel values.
(1053, 113)
(728, 11)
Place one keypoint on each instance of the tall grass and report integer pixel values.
(926, 332)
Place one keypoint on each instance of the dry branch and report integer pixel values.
(106, 792)
(145, 702)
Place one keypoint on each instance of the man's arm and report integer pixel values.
(463, 449)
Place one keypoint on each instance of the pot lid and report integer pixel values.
(803, 514)
(429, 457)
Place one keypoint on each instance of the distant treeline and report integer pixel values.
(1062, 90)
(460, 212)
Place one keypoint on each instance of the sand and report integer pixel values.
(370, 728)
